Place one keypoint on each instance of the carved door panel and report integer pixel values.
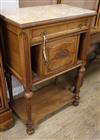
(60, 53)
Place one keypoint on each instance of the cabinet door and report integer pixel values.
(28, 3)
(61, 53)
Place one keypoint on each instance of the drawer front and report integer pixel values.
(58, 29)
(61, 53)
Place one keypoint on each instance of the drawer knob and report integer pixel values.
(81, 26)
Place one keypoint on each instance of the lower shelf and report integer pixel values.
(45, 102)
(39, 79)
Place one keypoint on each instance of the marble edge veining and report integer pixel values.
(40, 14)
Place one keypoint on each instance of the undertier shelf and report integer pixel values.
(45, 102)
(39, 79)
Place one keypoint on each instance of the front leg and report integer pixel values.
(29, 123)
(78, 85)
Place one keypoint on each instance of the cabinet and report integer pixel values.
(42, 47)
(89, 4)
(6, 119)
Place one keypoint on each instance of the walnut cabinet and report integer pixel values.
(39, 48)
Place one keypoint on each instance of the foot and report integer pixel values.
(75, 103)
(30, 131)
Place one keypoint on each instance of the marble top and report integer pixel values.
(30, 16)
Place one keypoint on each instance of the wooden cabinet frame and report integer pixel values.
(21, 38)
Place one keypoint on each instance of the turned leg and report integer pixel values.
(9, 85)
(78, 85)
(29, 123)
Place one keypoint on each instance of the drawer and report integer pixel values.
(58, 29)
(60, 54)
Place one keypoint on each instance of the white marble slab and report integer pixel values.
(38, 14)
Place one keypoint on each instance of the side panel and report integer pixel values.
(13, 54)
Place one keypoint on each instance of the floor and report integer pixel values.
(72, 123)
